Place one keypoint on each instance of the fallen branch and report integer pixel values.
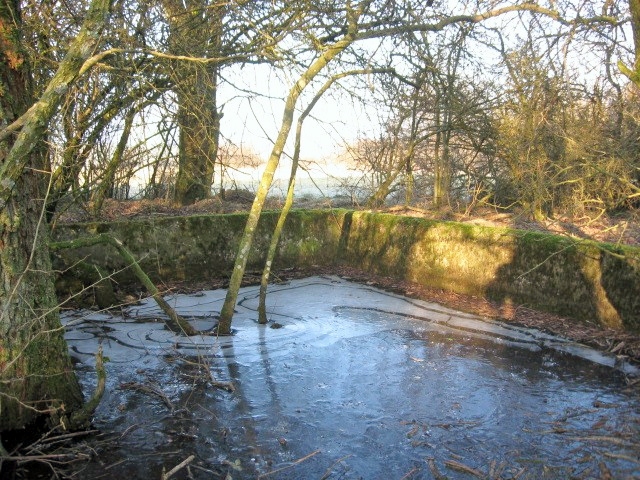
(329, 470)
(81, 417)
(461, 467)
(297, 462)
(177, 468)
(228, 386)
(175, 321)
(495, 470)
(204, 364)
(152, 389)
(434, 470)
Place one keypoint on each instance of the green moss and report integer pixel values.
(544, 271)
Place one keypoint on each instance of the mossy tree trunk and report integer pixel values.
(195, 31)
(328, 54)
(633, 72)
(36, 375)
(175, 322)
(295, 160)
(199, 132)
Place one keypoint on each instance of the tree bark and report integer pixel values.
(633, 73)
(36, 375)
(199, 125)
(195, 31)
(226, 314)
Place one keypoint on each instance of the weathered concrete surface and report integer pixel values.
(587, 281)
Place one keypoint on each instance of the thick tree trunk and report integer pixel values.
(442, 161)
(195, 31)
(36, 375)
(199, 132)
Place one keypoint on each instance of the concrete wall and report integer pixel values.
(587, 281)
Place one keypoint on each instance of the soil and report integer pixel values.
(621, 229)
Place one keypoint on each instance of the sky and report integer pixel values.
(254, 120)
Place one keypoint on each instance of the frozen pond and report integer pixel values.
(347, 381)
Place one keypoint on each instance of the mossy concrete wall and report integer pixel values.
(204, 246)
(587, 281)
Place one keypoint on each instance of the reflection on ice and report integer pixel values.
(374, 384)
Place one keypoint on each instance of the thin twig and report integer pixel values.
(178, 467)
(300, 460)
(601, 438)
(149, 389)
(409, 473)
(621, 457)
(50, 441)
(57, 457)
(520, 473)
(329, 470)
(461, 467)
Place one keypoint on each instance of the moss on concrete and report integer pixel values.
(587, 281)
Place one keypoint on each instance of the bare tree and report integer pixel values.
(366, 21)
(326, 55)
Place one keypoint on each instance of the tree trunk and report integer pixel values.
(226, 314)
(109, 175)
(633, 72)
(36, 375)
(295, 160)
(199, 132)
(195, 31)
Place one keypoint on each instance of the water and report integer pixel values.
(354, 383)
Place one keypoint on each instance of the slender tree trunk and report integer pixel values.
(271, 253)
(36, 375)
(264, 283)
(633, 73)
(437, 162)
(226, 314)
(109, 175)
